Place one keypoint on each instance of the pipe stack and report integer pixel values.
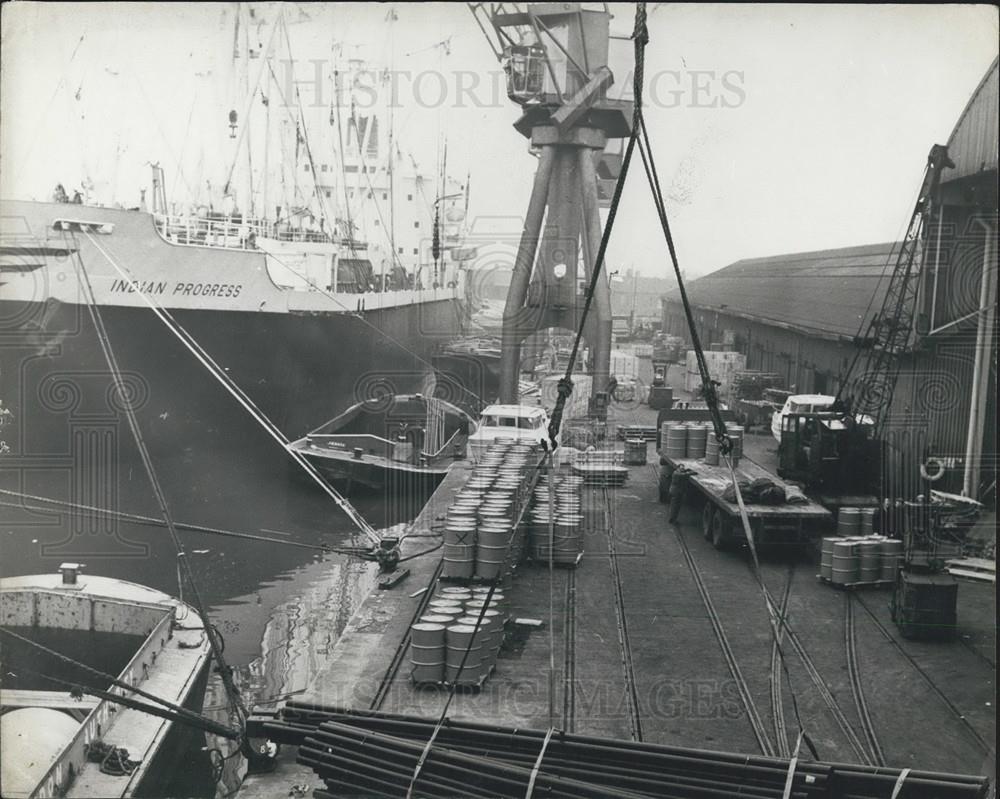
(362, 752)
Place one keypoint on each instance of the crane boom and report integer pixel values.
(870, 382)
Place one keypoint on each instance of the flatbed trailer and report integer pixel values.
(791, 522)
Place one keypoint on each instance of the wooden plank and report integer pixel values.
(54, 700)
(976, 564)
(981, 576)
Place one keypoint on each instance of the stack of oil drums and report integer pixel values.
(856, 556)
(457, 641)
(696, 440)
(480, 529)
(563, 544)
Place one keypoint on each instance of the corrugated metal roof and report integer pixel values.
(827, 293)
(973, 144)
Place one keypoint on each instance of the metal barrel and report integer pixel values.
(845, 562)
(867, 521)
(711, 449)
(489, 560)
(735, 432)
(870, 557)
(438, 618)
(459, 533)
(826, 558)
(483, 640)
(427, 652)
(697, 440)
(458, 639)
(892, 555)
(428, 636)
(676, 446)
(456, 592)
(444, 604)
(664, 427)
(848, 521)
(459, 560)
(496, 536)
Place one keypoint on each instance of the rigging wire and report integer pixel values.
(230, 385)
(725, 446)
(199, 722)
(639, 135)
(138, 519)
(181, 712)
(125, 398)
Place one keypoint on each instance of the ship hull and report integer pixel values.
(300, 356)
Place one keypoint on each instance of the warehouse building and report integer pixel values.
(798, 315)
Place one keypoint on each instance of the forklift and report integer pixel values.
(660, 394)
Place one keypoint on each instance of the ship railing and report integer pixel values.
(449, 444)
(231, 233)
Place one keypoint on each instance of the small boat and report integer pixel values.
(60, 740)
(401, 439)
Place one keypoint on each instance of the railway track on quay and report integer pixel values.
(777, 704)
(569, 654)
(757, 726)
(857, 688)
(861, 751)
(633, 704)
(983, 743)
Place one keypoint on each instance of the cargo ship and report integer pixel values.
(309, 300)
(300, 349)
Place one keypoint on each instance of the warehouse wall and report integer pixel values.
(933, 392)
(811, 364)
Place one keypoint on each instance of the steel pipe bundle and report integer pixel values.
(499, 758)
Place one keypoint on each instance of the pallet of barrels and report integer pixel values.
(857, 557)
(458, 638)
(482, 538)
(556, 520)
(697, 441)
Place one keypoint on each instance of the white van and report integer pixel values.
(799, 403)
(519, 422)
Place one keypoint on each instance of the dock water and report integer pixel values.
(641, 643)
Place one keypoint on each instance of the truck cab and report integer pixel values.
(798, 404)
(521, 423)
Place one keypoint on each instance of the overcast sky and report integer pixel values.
(775, 128)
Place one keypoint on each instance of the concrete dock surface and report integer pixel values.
(657, 636)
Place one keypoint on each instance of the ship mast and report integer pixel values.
(391, 18)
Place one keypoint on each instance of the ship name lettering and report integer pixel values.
(141, 286)
(231, 290)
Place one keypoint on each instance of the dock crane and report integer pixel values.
(555, 56)
(837, 451)
(846, 448)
